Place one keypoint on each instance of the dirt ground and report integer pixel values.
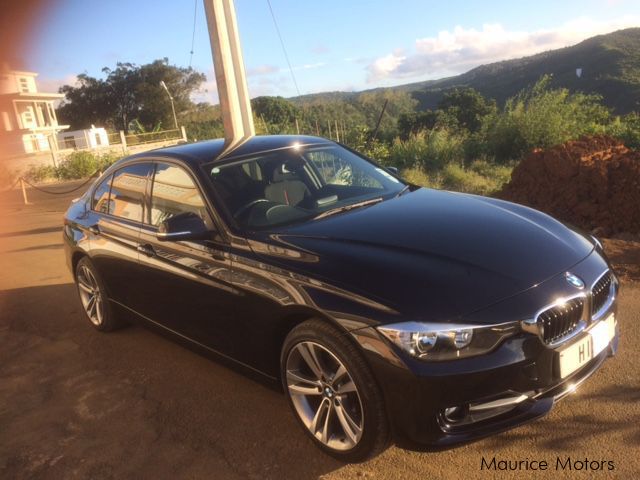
(75, 403)
(592, 182)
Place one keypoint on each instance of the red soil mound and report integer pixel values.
(593, 183)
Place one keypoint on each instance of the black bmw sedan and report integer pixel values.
(386, 311)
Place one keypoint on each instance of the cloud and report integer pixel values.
(208, 91)
(459, 50)
(309, 66)
(51, 85)
(262, 70)
(320, 49)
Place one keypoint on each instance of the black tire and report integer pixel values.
(85, 274)
(374, 437)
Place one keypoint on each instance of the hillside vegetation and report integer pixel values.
(461, 133)
(610, 68)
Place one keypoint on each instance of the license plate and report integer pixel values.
(590, 345)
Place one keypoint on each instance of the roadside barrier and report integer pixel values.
(24, 182)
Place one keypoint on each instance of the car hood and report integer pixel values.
(431, 254)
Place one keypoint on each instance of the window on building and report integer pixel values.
(28, 119)
(70, 141)
(24, 84)
(98, 140)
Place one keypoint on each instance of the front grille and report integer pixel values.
(561, 320)
(600, 293)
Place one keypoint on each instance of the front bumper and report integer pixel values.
(518, 382)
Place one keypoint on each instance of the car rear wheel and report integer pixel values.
(333, 393)
(93, 297)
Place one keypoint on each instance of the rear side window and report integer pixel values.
(101, 196)
(127, 191)
(174, 192)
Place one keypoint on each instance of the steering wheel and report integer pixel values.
(246, 207)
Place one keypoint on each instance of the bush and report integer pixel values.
(40, 173)
(459, 179)
(359, 139)
(430, 150)
(481, 177)
(541, 117)
(500, 174)
(418, 176)
(627, 129)
(75, 165)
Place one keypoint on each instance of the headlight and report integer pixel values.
(446, 341)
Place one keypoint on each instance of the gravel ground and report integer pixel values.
(75, 403)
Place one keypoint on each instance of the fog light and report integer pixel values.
(455, 414)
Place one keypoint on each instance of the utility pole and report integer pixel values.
(237, 117)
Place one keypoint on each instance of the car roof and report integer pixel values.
(214, 150)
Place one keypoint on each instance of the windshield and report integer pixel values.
(299, 184)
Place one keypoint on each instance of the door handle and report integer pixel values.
(147, 250)
(94, 230)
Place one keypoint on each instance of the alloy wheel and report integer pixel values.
(90, 295)
(324, 396)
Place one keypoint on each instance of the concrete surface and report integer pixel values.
(75, 403)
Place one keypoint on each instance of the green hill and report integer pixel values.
(610, 67)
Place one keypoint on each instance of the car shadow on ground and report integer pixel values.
(113, 405)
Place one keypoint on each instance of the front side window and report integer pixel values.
(174, 192)
(127, 191)
(298, 184)
(101, 196)
(336, 170)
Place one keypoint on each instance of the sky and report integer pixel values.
(346, 45)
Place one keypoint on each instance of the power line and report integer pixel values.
(193, 35)
(284, 49)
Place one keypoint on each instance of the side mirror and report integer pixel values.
(184, 226)
(393, 170)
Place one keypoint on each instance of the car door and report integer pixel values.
(186, 285)
(114, 227)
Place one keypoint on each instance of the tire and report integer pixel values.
(333, 393)
(89, 284)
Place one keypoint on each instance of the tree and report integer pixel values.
(129, 93)
(371, 103)
(468, 106)
(155, 103)
(121, 85)
(86, 104)
(412, 123)
(540, 117)
(275, 110)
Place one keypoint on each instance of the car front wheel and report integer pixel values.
(93, 297)
(333, 393)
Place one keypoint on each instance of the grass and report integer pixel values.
(480, 177)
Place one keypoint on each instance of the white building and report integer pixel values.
(28, 120)
(90, 138)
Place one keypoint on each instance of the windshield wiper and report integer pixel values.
(401, 192)
(346, 208)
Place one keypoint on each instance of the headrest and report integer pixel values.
(286, 171)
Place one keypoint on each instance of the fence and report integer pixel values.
(119, 143)
(154, 137)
